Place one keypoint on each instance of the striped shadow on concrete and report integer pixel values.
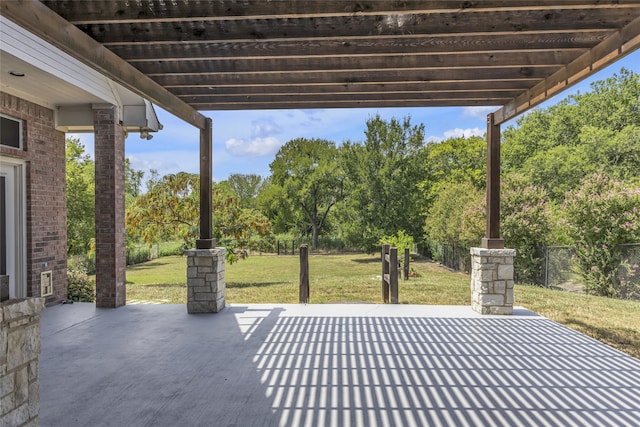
(294, 365)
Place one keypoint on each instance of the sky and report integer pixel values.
(246, 142)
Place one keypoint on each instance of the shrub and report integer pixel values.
(600, 216)
(81, 287)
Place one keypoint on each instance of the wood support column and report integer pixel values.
(206, 240)
(492, 239)
(111, 257)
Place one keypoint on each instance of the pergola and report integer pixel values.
(192, 55)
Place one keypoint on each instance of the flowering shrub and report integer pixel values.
(600, 216)
(524, 224)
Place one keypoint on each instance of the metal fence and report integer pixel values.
(560, 270)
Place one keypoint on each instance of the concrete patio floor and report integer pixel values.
(327, 365)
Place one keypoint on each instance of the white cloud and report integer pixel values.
(255, 147)
(477, 112)
(263, 128)
(466, 133)
(433, 139)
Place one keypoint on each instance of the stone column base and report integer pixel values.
(492, 280)
(206, 286)
(19, 357)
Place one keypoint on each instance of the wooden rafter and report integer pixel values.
(49, 26)
(610, 50)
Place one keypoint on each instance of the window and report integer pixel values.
(10, 132)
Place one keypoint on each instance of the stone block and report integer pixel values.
(33, 371)
(23, 345)
(204, 306)
(6, 404)
(501, 310)
(487, 275)
(14, 309)
(21, 387)
(499, 287)
(204, 261)
(34, 400)
(196, 282)
(491, 299)
(510, 284)
(6, 385)
(18, 416)
(508, 298)
(505, 272)
(204, 296)
(192, 272)
(204, 269)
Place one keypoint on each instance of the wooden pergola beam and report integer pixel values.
(614, 47)
(44, 23)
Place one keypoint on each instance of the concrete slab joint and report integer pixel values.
(19, 356)
(206, 287)
(492, 280)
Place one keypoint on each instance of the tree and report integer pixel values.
(132, 181)
(80, 174)
(382, 182)
(170, 209)
(457, 160)
(598, 130)
(307, 172)
(524, 223)
(245, 187)
(445, 216)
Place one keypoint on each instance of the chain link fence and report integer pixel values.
(560, 270)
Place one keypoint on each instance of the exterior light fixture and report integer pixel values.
(144, 134)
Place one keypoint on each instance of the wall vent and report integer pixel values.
(46, 283)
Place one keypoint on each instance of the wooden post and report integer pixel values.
(492, 239)
(278, 243)
(393, 275)
(385, 273)
(293, 247)
(406, 263)
(304, 274)
(206, 240)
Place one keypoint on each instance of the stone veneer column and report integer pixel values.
(492, 280)
(111, 257)
(19, 351)
(206, 286)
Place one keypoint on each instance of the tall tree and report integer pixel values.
(598, 130)
(308, 173)
(245, 187)
(80, 197)
(383, 175)
(170, 209)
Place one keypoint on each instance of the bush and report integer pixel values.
(601, 216)
(81, 287)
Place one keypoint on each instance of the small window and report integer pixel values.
(10, 132)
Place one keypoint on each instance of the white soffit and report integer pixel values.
(58, 81)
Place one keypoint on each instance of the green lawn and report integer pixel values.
(355, 278)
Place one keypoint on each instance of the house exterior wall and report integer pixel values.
(46, 222)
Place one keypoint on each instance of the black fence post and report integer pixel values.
(406, 263)
(304, 274)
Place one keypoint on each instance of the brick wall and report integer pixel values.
(44, 152)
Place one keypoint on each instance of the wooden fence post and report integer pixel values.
(406, 263)
(278, 247)
(304, 274)
(393, 275)
(385, 273)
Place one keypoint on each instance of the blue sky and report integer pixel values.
(246, 141)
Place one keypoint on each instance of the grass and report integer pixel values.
(355, 278)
